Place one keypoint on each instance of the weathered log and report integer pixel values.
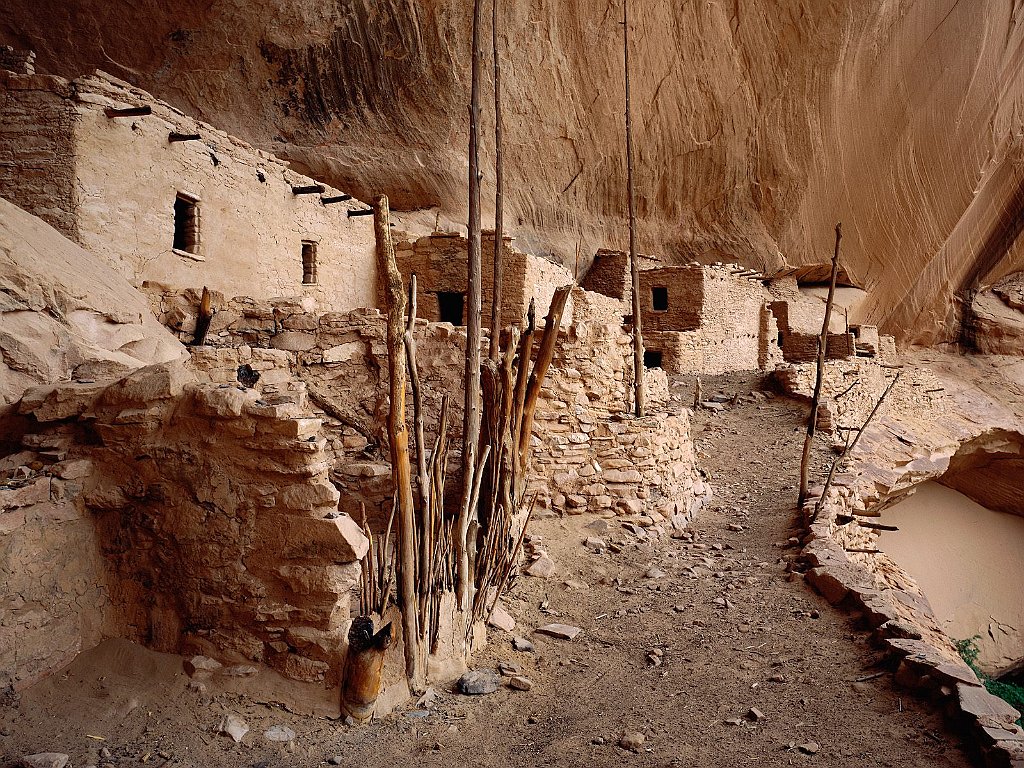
(398, 437)
(204, 318)
(417, 400)
(634, 267)
(812, 420)
(552, 325)
(499, 190)
(471, 413)
(364, 663)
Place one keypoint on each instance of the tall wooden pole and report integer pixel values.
(398, 437)
(499, 198)
(634, 267)
(471, 419)
(812, 421)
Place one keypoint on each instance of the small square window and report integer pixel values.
(652, 358)
(659, 298)
(186, 223)
(451, 307)
(308, 262)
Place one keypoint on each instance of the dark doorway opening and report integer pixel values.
(652, 358)
(451, 307)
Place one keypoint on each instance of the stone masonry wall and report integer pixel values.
(685, 289)
(439, 262)
(112, 182)
(37, 162)
(343, 359)
(219, 530)
(716, 321)
(609, 274)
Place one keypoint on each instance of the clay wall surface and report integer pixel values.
(54, 599)
(439, 262)
(117, 179)
(37, 161)
(211, 508)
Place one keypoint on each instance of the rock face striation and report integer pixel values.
(65, 314)
(758, 125)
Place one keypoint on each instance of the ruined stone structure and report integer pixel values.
(211, 513)
(706, 320)
(160, 196)
(439, 263)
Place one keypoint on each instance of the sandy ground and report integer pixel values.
(966, 558)
(732, 631)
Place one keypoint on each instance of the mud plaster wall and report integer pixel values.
(37, 162)
(54, 599)
(217, 524)
(126, 175)
(439, 262)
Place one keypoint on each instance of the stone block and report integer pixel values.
(63, 401)
(827, 584)
(622, 476)
(312, 495)
(975, 701)
(149, 384)
(293, 341)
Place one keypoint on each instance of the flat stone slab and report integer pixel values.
(979, 703)
(561, 631)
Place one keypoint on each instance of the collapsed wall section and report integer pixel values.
(211, 507)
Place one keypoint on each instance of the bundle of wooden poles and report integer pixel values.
(484, 535)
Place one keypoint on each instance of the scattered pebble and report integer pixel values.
(478, 682)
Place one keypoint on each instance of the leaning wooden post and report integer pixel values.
(812, 421)
(204, 318)
(634, 267)
(499, 192)
(398, 437)
(471, 418)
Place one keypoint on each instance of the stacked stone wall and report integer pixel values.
(37, 160)
(211, 506)
(439, 263)
(580, 415)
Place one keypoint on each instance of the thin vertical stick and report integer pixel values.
(634, 267)
(417, 398)
(812, 421)
(398, 437)
(499, 190)
(471, 418)
(850, 446)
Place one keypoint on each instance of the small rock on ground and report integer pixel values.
(478, 682)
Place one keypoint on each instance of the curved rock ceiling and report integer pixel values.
(758, 123)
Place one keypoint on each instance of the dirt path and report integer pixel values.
(729, 630)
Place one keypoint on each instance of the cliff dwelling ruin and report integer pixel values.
(665, 408)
